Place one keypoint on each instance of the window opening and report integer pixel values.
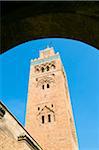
(42, 69)
(43, 119)
(49, 118)
(53, 66)
(37, 69)
(48, 86)
(47, 68)
(36, 79)
(43, 87)
(38, 108)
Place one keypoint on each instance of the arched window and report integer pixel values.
(53, 66)
(53, 74)
(48, 86)
(43, 119)
(37, 69)
(38, 108)
(43, 86)
(49, 118)
(42, 69)
(36, 79)
(47, 68)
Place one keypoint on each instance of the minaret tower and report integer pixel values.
(49, 117)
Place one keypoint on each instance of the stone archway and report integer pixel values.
(26, 21)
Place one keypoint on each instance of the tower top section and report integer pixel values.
(49, 51)
(45, 55)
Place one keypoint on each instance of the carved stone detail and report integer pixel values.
(45, 67)
(27, 140)
(46, 80)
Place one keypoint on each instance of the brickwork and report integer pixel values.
(11, 131)
(49, 117)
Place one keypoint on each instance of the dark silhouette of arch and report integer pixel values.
(24, 21)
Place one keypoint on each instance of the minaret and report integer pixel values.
(49, 117)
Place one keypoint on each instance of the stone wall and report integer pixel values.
(13, 136)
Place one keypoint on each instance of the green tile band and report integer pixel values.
(37, 62)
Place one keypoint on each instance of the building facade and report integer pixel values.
(13, 135)
(49, 116)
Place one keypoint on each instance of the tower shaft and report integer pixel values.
(49, 117)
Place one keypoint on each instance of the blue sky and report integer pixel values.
(81, 63)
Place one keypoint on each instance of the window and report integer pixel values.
(47, 68)
(48, 86)
(53, 66)
(42, 69)
(49, 118)
(38, 108)
(43, 87)
(52, 105)
(43, 119)
(37, 70)
(36, 79)
(70, 120)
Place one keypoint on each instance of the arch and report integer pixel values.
(43, 86)
(47, 68)
(49, 117)
(74, 20)
(53, 66)
(44, 80)
(37, 69)
(42, 68)
(43, 119)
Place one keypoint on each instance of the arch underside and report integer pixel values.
(33, 20)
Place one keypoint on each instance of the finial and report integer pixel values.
(49, 45)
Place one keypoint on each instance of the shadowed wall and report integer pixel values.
(24, 21)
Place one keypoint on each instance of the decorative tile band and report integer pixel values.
(40, 61)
